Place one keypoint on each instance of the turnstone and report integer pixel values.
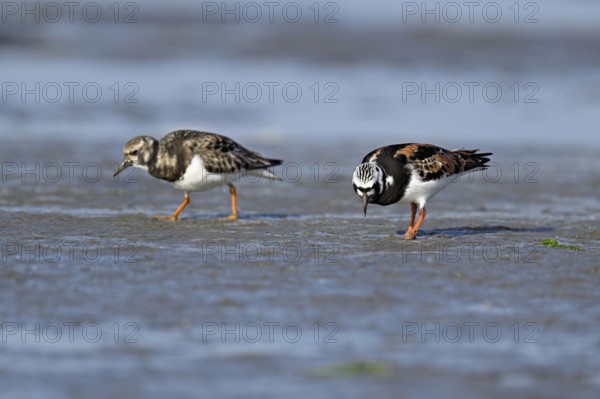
(195, 161)
(411, 173)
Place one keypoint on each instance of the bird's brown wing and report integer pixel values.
(220, 154)
(431, 162)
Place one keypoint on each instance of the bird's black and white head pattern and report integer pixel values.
(139, 152)
(368, 179)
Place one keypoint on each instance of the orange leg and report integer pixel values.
(413, 213)
(234, 209)
(175, 215)
(415, 229)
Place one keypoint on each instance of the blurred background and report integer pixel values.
(291, 71)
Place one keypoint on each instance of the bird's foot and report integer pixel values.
(232, 218)
(410, 234)
(172, 218)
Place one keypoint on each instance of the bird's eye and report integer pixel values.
(134, 152)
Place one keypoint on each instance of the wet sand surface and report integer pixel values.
(302, 295)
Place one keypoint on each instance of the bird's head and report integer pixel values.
(138, 152)
(368, 182)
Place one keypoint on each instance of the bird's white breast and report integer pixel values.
(197, 178)
(419, 191)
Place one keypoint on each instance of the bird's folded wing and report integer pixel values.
(431, 162)
(220, 154)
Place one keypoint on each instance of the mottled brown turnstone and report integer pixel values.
(195, 161)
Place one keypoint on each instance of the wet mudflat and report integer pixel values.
(302, 295)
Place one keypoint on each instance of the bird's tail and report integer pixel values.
(260, 165)
(473, 159)
(274, 162)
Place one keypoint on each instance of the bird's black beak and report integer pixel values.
(124, 165)
(365, 199)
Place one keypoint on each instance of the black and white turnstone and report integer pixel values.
(195, 161)
(411, 173)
